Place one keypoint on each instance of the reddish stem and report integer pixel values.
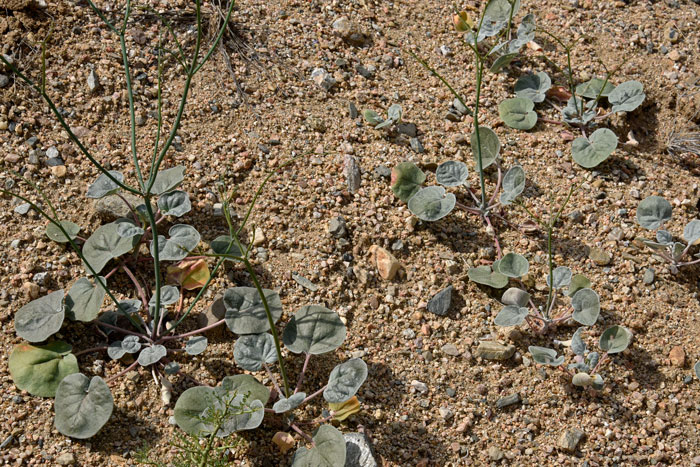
(92, 349)
(303, 370)
(192, 333)
(304, 435)
(123, 372)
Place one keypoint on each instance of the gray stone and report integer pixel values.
(397, 245)
(352, 110)
(304, 282)
(352, 173)
(508, 400)
(382, 171)
(32, 141)
(358, 451)
(4, 81)
(323, 79)
(52, 152)
(349, 31)
(440, 303)
(366, 72)
(446, 413)
(570, 439)
(93, 81)
(453, 116)
(576, 217)
(495, 453)
(515, 296)
(40, 278)
(417, 146)
(112, 207)
(419, 386)
(649, 276)
(408, 129)
(459, 107)
(451, 349)
(66, 458)
(599, 256)
(54, 162)
(490, 350)
(337, 227)
(22, 209)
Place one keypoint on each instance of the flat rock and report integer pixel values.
(66, 458)
(599, 256)
(352, 172)
(450, 349)
(508, 400)
(112, 207)
(570, 439)
(440, 303)
(677, 356)
(495, 453)
(323, 79)
(387, 265)
(349, 31)
(489, 350)
(358, 451)
(337, 227)
(304, 282)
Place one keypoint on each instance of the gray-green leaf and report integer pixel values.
(169, 294)
(406, 179)
(105, 244)
(533, 86)
(653, 211)
(594, 87)
(252, 350)
(518, 113)
(562, 277)
(586, 304)
(39, 369)
(395, 113)
(372, 117)
(627, 96)
(589, 152)
(127, 228)
(691, 232)
(285, 405)
(490, 146)
(55, 234)
(82, 405)
(515, 296)
(220, 246)
(451, 173)
(513, 184)
(40, 318)
(615, 339)
(431, 203)
(183, 239)
(577, 344)
(314, 329)
(578, 282)
(511, 315)
(513, 265)
(328, 451)
(245, 313)
(196, 345)
(545, 356)
(104, 186)
(176, 203)
(486, 276)
(152, 354)
(168, 180)
(85, 299)
(345, 380)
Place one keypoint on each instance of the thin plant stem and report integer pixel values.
(272, 378)
(303, 435)
(124, 331)
(123, 372)
(317, 393)
(137, 284)
(303, 371)
(90, 350)
(193, 333)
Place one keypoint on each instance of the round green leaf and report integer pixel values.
(225, 245)
(196, 345)
(578, 282)
(664, 237)
(169, 294)
(653, 211)
(84, 300)
(82, 406)
(190, 410)
(372, 117)
(151, 355)
(127, 228)
(486, 276)
(129, 306)
(490, 146)
(615, 339)
(577, 344)
(183, 239)
(395, 112)
(176, 203)
(245, 313)
(545, 356)
(431, 203)
(252, 350)
(582, 380)
(513, 184)
(592, 88)
(511, 315)
(345, 380)
(627, 96)
(104, 186)
(513, 265)
(55, 234)
(245, 415)
(118, 349)
(500, 10)
(586, 304)
(518, 113)
(40, 318)
(588, 153)
(168, 180)
(328, 450)
(515, 296)
(314, 329)
(451, 173)
(502, 62)
(105, 244)
(533, 86)
(406, 179)
(285, 405)
(562, 277)
(39, 369)
(691, 232)
(246, 385)
(574, 107)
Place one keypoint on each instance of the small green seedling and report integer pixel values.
(394, 115)
(652, 213)
(585, 371)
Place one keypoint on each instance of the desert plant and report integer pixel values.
(581, 109)
(652, 213)
(584, 372)
(394, 114)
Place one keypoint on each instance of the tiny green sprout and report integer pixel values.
(394, 115)
(652, 213)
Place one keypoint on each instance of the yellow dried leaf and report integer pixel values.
(190, 274)
(342, 410)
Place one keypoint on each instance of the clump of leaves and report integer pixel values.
(394, 115)
(652, 213)
(585, 371)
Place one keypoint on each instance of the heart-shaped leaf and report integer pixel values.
(345, 380)
(511, 315)
(129, 306)
(40, 318)
(152, 354)
(578, 282)
(589, 153)
(490, 146)
(190, 274)
(615, 339)
(513, 184)
(328, 450)
(168, 296)
(533, 86)
(314, 329)
(594, 87)
(502, 62)
(406, 179)
(500, 10)
(577, 344)
(39, 369)
(55, 234)
(579, 112)
(82, 405)
(653, 211)
(486, 276)
(118, 349)
(513, 265)
(562, 277)
(515, 296)
(245, 385)
(196, 345)
(586, 304)
(627, 96)
(545, 356)
(104, 186)
(127, 228)
(225, 245)
(691, 232)
(84, 300)
(245, 313)
(183, 239)
(285, 405)
(176, 203)
(105, 244)
(518, 113)
(431, 203)
(451, 173)
(664, 237)
(168, 179)
(252, 350)
(395, 112)
(372, 117)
